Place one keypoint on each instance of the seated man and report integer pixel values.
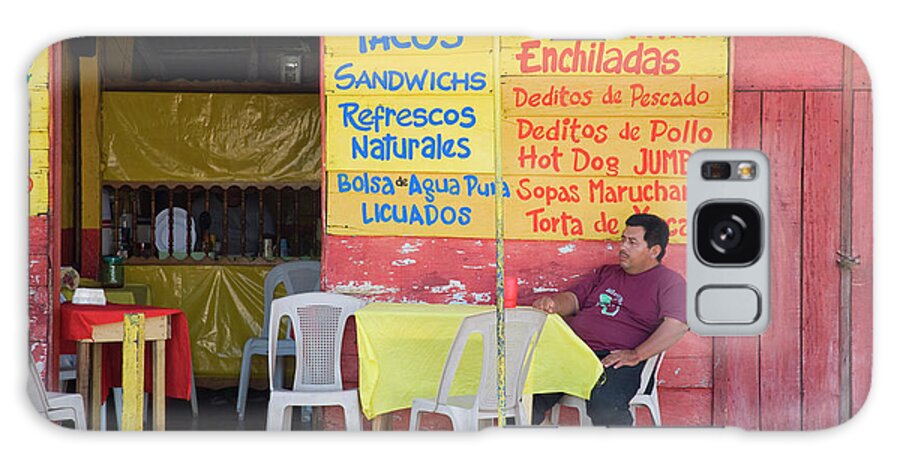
(626, 313)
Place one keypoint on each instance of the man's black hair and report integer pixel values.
(656, 231)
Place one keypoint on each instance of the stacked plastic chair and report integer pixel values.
(297, 277)
(57, 407)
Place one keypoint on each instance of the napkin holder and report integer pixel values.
(89, 296)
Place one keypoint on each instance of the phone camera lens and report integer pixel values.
(729, 233)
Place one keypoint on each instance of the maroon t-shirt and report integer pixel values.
(618, 311)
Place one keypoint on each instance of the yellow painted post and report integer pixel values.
(39, 135)
(133, 373)
(498, 202)
(90, 157)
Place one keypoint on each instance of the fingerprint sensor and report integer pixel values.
(727, 304)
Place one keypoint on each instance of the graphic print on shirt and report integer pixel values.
(610, 302)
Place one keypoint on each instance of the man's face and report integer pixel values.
(634, 254)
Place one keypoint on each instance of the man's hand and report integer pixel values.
(621, 358)
(564, 304)
(546, 304)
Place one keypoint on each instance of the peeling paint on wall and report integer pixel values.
(363, 288)
(566, 249)
(544, 289)
(410, 248)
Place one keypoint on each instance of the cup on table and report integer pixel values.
(510, 291)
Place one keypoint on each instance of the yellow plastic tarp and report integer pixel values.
(223, 305)
(211, 137)
(403, 348)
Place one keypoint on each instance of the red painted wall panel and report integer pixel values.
(821, 274)
(684, 407)
(736, 359)
(782, 141)
(861, 316)
(861, 78)
(686, 372)
(39, 289)
(692, 345)
(38, 234)
(780, 63)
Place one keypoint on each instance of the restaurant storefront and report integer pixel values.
(377, 157)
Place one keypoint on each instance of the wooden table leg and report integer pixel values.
(83, 376)
(383, 422)
(159, 385)
(96, 377)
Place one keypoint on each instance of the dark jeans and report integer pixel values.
(609, 398)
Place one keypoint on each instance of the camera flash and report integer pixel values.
(746, 170)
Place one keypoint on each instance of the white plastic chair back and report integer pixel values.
(523, 328)
(36, 392)
(297, 277)
(55, 406)
(317, 320)
(646, 395)
(649, 375)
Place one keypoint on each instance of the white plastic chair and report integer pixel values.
(297, 277)
(646, 395)
(523, 328)
(317, 320)
(55, 406)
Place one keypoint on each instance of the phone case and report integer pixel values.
(181, 173)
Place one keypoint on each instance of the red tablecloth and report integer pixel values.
(77, 324)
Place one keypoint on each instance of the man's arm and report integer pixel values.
(669, 332)
(563, 303)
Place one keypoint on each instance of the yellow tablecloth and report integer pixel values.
(403, 348)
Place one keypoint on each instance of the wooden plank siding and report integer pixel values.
(736, 359)
(820, 300)
(861, 291)
(799, 86)
(782, 129)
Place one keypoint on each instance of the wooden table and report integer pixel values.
(90, 364)
(403, 348)
(91, 327)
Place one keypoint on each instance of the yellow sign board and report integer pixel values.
(591, 133)
(390, 45)
(392, 65)
(421, 204)
(397, 133)
(590, 208)
(676, 96)
(410, 204)
(606, 146)
(650, 56)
